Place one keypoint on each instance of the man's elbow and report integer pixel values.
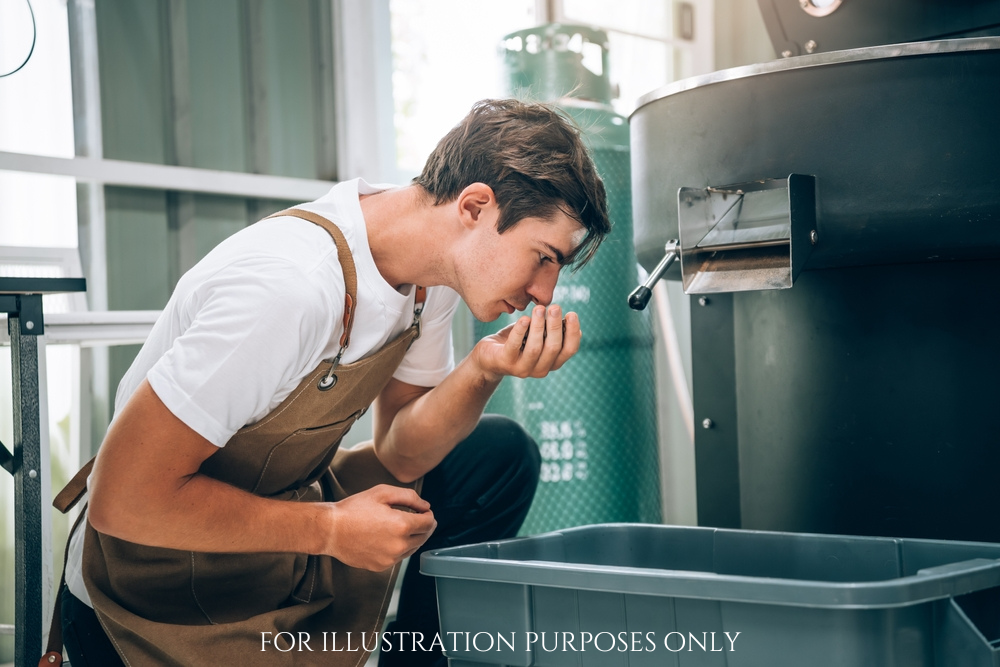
(102, 514)
(111, 515)
(406, 476)
(405, 470)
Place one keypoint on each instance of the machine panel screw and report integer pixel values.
(703, 301)
(32, 474)
(814, 237)
(29, 325)
(811, 46)
(707, 423)
(786, 53)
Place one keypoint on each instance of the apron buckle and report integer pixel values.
(330, 379)
(417, 310)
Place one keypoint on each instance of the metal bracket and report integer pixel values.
(30, 316)
(22, 299)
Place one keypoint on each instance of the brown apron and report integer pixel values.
(168, 607)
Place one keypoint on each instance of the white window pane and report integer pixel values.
(36, 103)
(37, 210)
(685, 64)
(62, 372)
(637, 66)
(646, 17)
(445, 58)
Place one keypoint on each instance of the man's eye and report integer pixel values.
(544, 258)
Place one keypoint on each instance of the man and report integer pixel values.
(221, 513)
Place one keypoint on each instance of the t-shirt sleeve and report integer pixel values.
(256, 324)
(431, 357)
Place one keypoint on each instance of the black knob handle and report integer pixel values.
(639, 297)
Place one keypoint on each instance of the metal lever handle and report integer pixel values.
(639, 297)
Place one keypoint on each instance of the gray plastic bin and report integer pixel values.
(795, 599)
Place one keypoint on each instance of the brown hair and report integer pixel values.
(534, 159)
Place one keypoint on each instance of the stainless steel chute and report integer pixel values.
(747, 236)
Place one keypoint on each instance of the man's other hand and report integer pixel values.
(377, 528)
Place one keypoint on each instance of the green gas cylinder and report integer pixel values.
(595, 418)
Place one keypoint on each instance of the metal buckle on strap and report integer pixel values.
(330, 379)
(420, 294)
(417, 310)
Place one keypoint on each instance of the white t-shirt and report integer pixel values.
(261, 311)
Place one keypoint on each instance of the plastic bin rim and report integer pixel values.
(929, 584)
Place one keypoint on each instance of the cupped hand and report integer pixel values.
(531, 347)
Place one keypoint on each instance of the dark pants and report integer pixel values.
(481, 491)
(84, 638)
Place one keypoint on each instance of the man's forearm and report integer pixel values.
(207, 515)
(365, 530)
(425, 430)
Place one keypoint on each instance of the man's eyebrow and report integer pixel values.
(560, 258)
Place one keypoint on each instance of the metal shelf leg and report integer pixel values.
(27, 497)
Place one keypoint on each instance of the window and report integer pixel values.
(445, 58)
(38, 238)
(36, 117)
(650, 43)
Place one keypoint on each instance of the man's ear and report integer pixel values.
(476, 205)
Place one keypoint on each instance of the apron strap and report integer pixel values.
(53, 648)
(350, 273)
(66, 499)
(346, 262)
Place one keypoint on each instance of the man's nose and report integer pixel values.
(543, 287)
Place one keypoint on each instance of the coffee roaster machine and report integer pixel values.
(835, 219)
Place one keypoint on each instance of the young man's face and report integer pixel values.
(505, 272)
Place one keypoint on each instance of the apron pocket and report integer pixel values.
(301, 457)
(234, 587)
